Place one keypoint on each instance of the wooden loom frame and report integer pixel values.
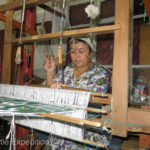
(123, 118)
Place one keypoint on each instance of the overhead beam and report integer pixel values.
(72, 33)
(51, 10)
(19, 3)
(18, 25)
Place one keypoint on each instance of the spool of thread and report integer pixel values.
(59, 55)
(18, 55)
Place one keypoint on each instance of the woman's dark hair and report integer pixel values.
(80, 40)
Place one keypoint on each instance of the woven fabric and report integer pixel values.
(24, 106)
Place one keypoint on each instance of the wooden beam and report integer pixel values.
(51, 10)
(131, 125)
(139, 116)
(136, 128)
(120, 69)
(18, 25)
(6, 69)
(18, 4)
(72, 33)
(69, 119)
(100, 100)
(15, 23)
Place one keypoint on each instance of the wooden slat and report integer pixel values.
(142, 129)
(120, 68)
(100, 100)
(93, 93)
(95, 97)
(131, 127)
(76, 121)
(19, 3)
(79, 32)
(18, 25)
(96, 110)
(45, 7)
(98, 145)
(6, 69)
(139, 116)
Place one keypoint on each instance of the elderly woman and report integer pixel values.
(82, 73)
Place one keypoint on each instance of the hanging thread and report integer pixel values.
(18, 53)
(59, 58)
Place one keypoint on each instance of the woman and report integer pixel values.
(82, 73)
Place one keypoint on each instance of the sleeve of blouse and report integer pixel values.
(59, 77)
(102, 82)
(99, 81)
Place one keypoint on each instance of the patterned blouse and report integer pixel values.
(94, 79)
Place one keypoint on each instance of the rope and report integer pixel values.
(53, 24)
(23, 15)
(62, 21)
(18, 52)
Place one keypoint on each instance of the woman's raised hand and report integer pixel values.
(49, 64)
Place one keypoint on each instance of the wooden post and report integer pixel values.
(6, 68)
(120, 69)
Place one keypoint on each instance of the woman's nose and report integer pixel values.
(77, 53)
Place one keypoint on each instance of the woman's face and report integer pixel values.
(80, 54)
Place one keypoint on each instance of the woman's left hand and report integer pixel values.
(57, 85)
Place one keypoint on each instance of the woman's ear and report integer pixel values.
(91, 54)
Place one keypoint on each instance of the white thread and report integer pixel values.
(60, 96)
(12, 133)
(48, 95)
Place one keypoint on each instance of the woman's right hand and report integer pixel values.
(49, 64)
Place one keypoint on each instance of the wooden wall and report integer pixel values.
(145, 47)
(145, 44)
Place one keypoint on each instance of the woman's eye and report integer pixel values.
(72, 51)
(81, 50)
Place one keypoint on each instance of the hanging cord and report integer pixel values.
(41, 29)
(23, 15)
(50, 136)
(53, 24)
(31, 131)
(62, 21)
(43, 19)
(59, 58)
(18, 52)
(13, 133)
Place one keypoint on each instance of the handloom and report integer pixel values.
(56, 105)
